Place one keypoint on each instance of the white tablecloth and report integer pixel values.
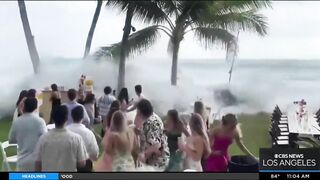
(307, 127)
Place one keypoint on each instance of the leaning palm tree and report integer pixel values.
(92, 28)
(29, 37)
(147, 11)
(211, 21)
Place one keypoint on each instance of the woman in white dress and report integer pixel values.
(197, 145)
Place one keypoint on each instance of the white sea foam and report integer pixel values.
(257, 85)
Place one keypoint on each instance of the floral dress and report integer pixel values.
(123, 162)
(152, 133)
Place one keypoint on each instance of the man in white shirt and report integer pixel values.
(72, 96)
(87, 136)
(105, 102)
(140, 96)
(60, 150)
(26, 131)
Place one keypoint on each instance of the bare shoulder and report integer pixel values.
(198, 142)
(113, 135)
(197, 139)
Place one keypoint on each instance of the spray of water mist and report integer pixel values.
(253, 88)
(66, 72)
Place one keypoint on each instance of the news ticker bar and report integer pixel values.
(263, 175)
(133, 176)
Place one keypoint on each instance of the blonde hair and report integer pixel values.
(231, 119)
(118, 122)
(197, 125)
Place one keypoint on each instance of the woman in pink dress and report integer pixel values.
(221, 138)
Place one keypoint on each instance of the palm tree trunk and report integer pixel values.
(92, 28)
(174, 66)
(125, 36)
(29, 37)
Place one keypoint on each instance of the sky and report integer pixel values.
(60, 30)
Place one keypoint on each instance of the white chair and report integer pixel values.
(282, 142)
(284, 133)
(283, 137)
(51, 126)
(283, 122)
(6, 161)
(190, 170)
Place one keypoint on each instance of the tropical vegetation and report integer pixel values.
(212, 22)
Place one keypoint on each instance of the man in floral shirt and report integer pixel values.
(154, 149)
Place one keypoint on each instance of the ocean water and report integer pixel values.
(256, 85)
(261, 84)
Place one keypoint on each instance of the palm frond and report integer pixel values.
(170, 7)
(223, 7)
(145, 11)
(247, 21)
(121, 5)
(232, 15)
(149, 12)
(209, 36)
(244, 4)
(138, 42)
(142, 40)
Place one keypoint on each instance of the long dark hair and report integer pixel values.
(123, 95)
(197, 126)
(115, 106)
(174, 116)
(23, 94)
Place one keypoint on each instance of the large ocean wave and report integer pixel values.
(256, 85)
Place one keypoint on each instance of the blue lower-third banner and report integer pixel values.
(33, 176)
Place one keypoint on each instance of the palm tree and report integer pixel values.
(92, 28)
(29, 37)
(124, 43)
(146, 11)
(211, 21)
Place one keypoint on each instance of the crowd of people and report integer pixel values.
(180, 142)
